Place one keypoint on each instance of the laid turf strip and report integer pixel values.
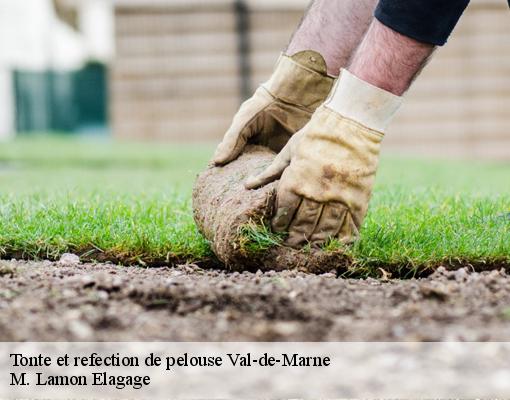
(130, 203)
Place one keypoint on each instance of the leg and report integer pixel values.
(333, 29)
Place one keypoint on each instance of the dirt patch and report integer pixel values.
(222, 207)
(47, 301)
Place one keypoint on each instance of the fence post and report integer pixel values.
(243, 47)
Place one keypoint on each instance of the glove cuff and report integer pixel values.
(300, 79)
(362, 102)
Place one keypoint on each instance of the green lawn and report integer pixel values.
(130, 202)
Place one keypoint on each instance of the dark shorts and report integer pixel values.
(429, 21)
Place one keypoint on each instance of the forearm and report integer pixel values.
(401, 39)
(334, 29)
(389, 60)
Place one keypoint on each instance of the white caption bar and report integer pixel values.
(254, 370)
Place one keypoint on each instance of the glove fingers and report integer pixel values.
(304, 222)
(286, 205)
(348, 232)
(271, 173)
(243, 127)
(232, 145)
(330, 223)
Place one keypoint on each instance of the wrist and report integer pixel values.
(373, 77)
(300, 79)
(363, 102)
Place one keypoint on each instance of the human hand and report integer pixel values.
(328, 169)
(279, 108)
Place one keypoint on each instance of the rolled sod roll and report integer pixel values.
(229, 216)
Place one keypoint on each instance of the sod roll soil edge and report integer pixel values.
(222, 209)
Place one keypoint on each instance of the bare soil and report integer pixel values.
(45, 301)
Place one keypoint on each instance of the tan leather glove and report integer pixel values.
(279, 107)
(328, 168)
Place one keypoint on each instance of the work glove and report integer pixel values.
(279, 107)
(328, 168)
